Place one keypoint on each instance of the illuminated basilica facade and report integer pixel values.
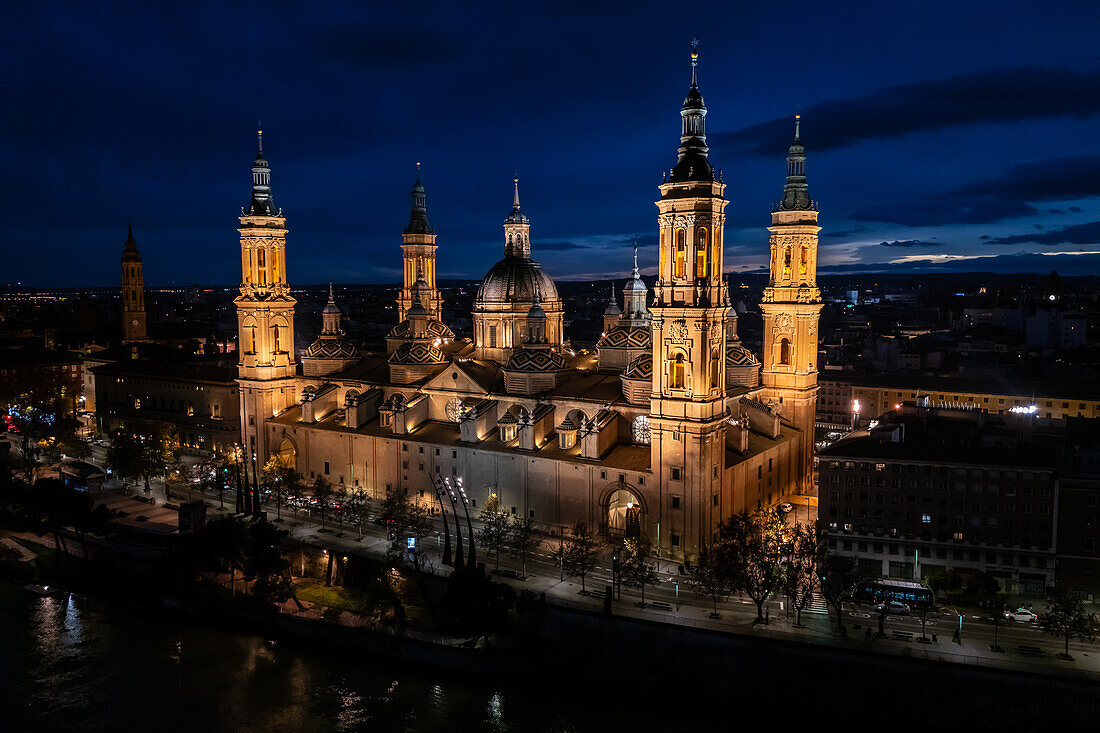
(669, 427)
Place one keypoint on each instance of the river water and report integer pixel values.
(80, 665)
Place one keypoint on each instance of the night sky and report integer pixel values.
(941, 136)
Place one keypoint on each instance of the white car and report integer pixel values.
(786, 507)
(1023, 615)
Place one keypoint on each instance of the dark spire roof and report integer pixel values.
(418, 219)
(262, 204)
(692, 163)
(130, 251)
(796, 194)
(517, 216)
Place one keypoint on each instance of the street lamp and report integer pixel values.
(472, 560)
(437, 485)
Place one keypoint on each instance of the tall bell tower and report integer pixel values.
(265, 312)
(418, 249)
(133, 292)
(687, 408)
(792, 306)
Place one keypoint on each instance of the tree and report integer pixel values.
(838, 576)
(802, 570)
(636, 570)
(1065, 617)
(495, 527)
(945, 582)
(983, 588)
(394, 513)
(339, 497)
(282, 481)
(265, 564)
(322, 492)
(749, 545)
(708, 579)
(360, 503)
(222, 546)
(418, 524)
(997, 609)
(124, 455)
(522, 540)
(578, 554)
(41, 405)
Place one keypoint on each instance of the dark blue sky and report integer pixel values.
(937, 132)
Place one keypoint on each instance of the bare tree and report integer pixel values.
(522, 540)
(637, 571)
(838, 575)
(322, 492)
(708, 579)
(495, 527)
(578, 554)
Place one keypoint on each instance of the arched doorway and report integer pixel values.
(625, 515)
(286, 454)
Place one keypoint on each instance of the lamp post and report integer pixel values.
(472, 560)
(446, 527)
(459, 560)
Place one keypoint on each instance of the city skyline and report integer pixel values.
(962, 157)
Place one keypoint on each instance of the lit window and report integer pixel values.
(676, 369)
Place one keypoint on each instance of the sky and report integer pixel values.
(940, 136)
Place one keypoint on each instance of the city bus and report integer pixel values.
(914, 595)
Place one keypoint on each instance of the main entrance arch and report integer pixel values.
(286, 454)
(624, 512)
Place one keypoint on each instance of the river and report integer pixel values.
(82, 665)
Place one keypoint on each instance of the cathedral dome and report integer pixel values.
(436, 329)
(626, 337)
(535, 360)
(332, 348)
(640, 368)
(416, 353)
(738, 356)
(516, 280)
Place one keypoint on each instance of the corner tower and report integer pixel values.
(792, 306)
(265, 312)
(133, 292)
(418, 249)
(687, 406)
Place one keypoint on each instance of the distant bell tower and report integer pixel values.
(133, 292)
(265, 311)
(792, 306)
(418, 249)
(687, 407)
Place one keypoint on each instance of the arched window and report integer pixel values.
(785, 351)
(261, 266)
(701, 252)
(802, 260)
(681, 253)
(786, 260)
(275, 331)
(716, 259)
(676, 371)
(715, 366)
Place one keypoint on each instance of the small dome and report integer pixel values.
(416, 353)
(640, 367)
(436, 329)
(535, 360)
(738, 356)
(516, 280)
(332, 348)
(635, 285)
(536, 312)
(626, 337)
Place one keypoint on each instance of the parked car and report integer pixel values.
(896, 608)
(786, 507)
(1022, 615)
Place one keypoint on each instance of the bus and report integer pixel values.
(914, 595)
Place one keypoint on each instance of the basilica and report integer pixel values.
(669, 427)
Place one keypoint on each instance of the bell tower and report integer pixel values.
(418, 249)
(687, 408)
(133, 292)
(792, 305)
(265, 312)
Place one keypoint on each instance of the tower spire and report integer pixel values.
(692, 163)
(418, 217)
(515, 195)
(796, 193)
(262, 204)
(260, 137)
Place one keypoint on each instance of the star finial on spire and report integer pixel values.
(515, 196)
(694, 58)
(331, 298)
(418, 171)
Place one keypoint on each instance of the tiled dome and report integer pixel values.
(640, 367)
(436, 329)
(738, 356)
(627, 337)
(535, 360)
(416, 353)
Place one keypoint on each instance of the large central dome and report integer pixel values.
(516, 280)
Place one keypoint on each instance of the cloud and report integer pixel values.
(1088, 233)
(858, 229)
(909, 243)
(1006, 195)
(999, 95)
(1077, 263)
